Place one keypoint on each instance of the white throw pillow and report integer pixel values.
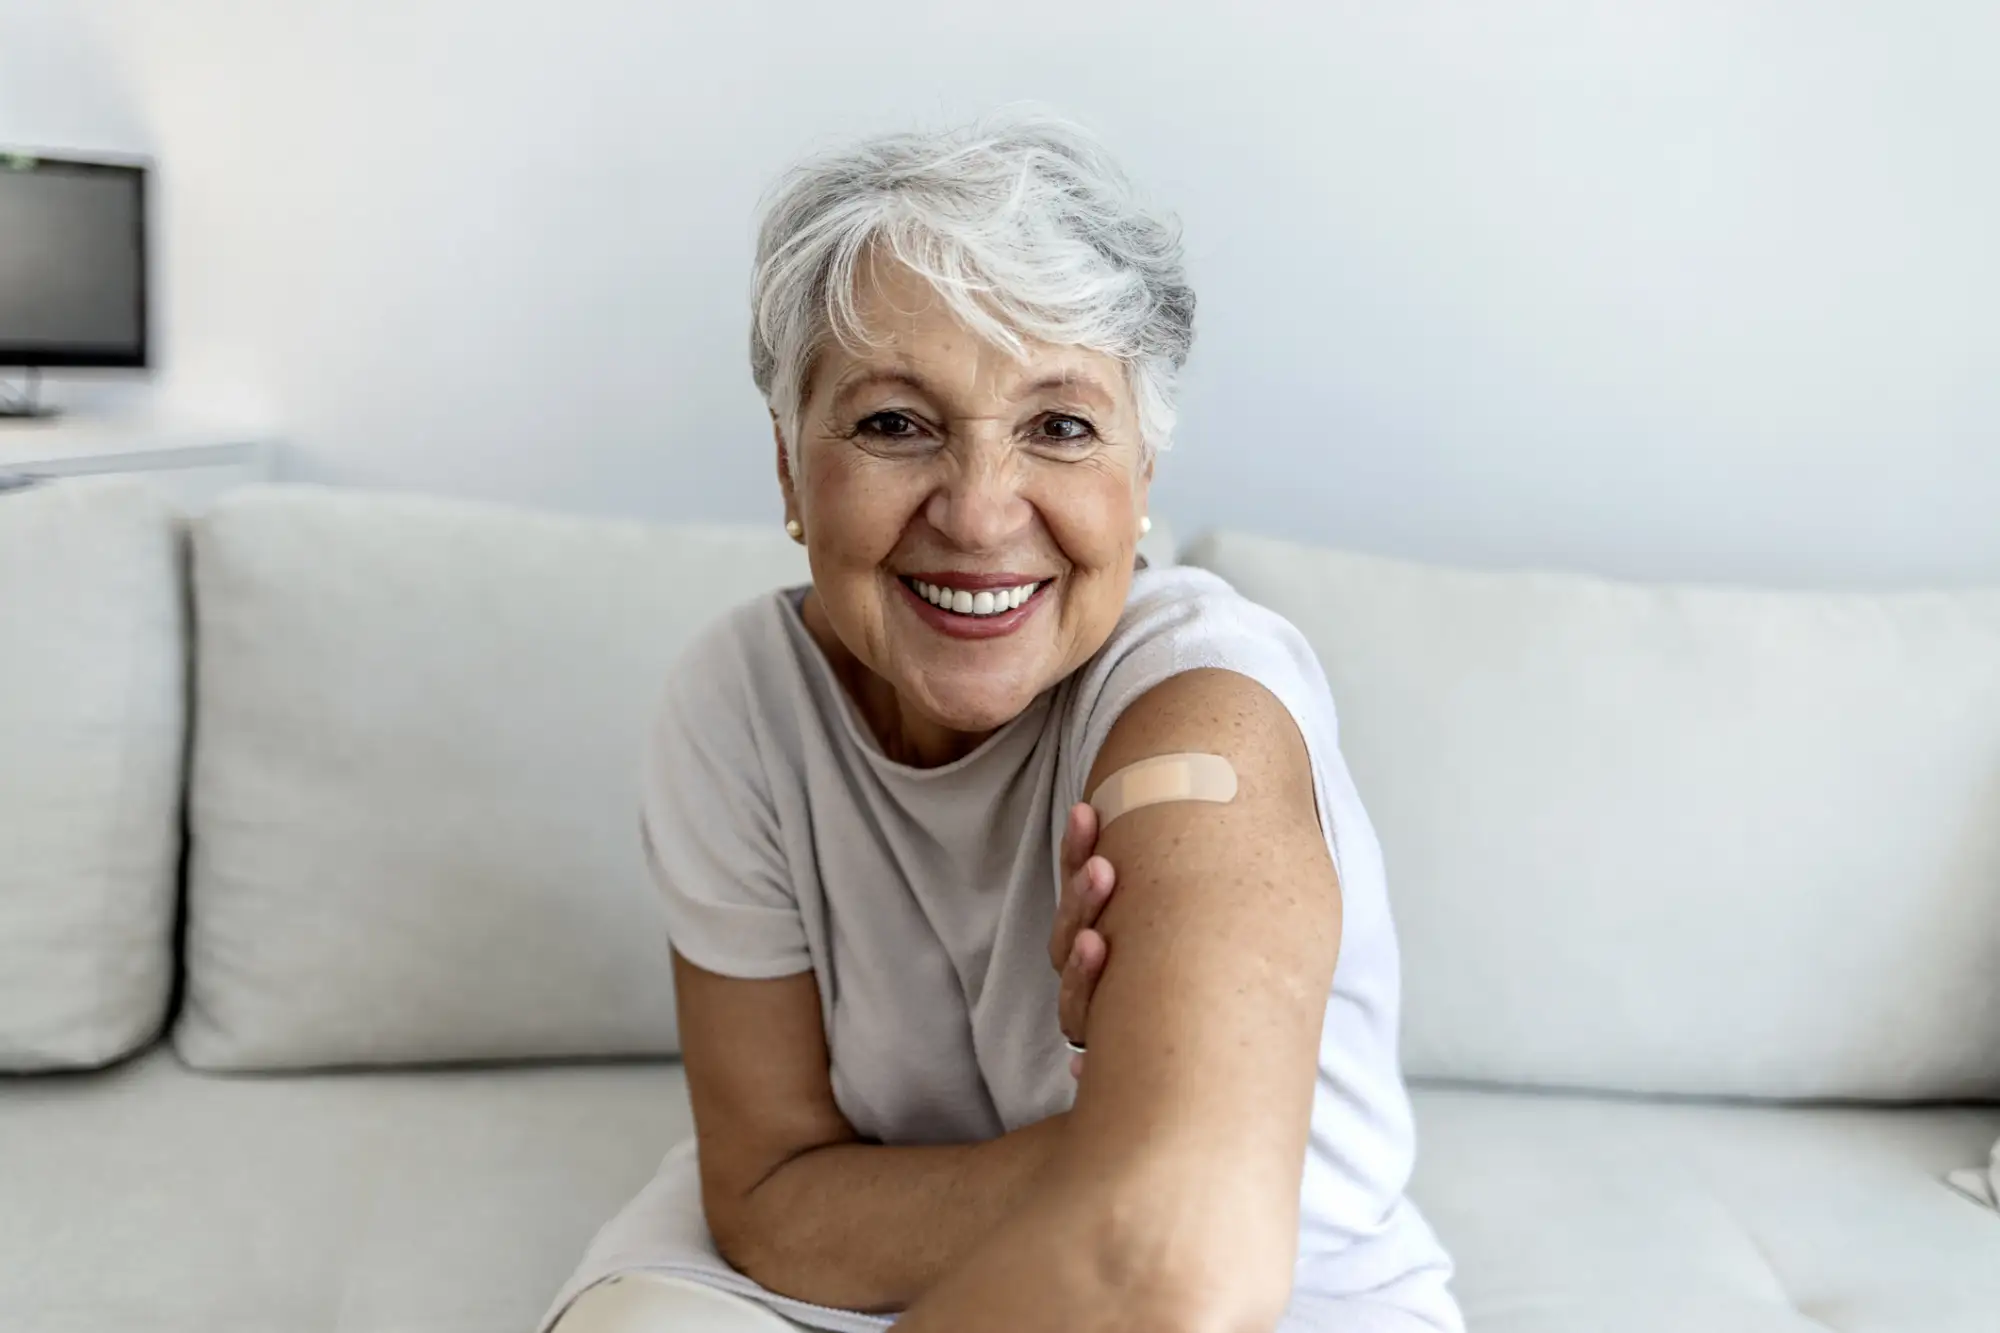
(415, 786)
(92, 723)
(1671, 839)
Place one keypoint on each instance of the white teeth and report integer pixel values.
(986, 602)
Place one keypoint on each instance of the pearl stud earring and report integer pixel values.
(1145, 526)
(795, 529)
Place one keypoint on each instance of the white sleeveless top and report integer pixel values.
(922, 899)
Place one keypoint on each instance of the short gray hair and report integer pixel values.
(1021, 221)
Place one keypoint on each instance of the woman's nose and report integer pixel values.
(980, 506)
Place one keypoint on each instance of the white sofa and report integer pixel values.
(1699, 893)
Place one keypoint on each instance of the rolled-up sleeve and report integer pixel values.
(711, 836)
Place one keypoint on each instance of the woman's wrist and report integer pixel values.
(891, 1220)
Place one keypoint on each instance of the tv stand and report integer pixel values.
(27, 406)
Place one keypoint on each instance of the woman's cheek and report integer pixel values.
(843, 508)
(1094, 524)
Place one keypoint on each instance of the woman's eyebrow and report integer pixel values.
(869, 379)
(1079, 382)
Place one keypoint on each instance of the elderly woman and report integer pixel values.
(866, 809)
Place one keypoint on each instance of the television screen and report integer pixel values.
(72, 263)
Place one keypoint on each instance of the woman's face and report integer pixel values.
(970, 518)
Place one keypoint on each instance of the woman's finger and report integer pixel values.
(1079, 837)
(1062, 937)
(1083, 898)
(1079, 982)
(1098, 878)
(1069, 978)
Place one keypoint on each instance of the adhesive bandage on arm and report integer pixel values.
(1164, 777)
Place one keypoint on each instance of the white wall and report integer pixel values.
(1701, 290)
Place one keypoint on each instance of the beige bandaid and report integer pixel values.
(1164, 777)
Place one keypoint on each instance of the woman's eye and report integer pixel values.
(889, 426)
(1066, 429)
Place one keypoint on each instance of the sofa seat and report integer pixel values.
(456, 1200)
(149, 1198)
(1602, 1215)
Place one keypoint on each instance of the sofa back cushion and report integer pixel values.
(93, 709)
(1671, 840)
(414, 793)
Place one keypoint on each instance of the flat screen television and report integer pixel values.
(73, 270)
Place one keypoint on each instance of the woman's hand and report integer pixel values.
(1076, 950)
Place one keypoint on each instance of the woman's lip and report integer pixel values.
(972, 627)
(955, 580)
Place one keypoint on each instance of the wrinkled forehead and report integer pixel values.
(901, 332)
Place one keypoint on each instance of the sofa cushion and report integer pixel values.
(1671, 839)
(414, 794)
(92, 723)
(152, 1197)
(457, 1201)
(1576, 1215)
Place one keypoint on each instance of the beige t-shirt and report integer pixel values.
(784, 841)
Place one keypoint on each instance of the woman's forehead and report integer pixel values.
(906, 334)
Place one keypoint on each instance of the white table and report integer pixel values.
(190, 464)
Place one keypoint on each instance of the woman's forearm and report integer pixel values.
(861, 1226)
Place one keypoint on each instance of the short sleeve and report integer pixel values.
(710, 830)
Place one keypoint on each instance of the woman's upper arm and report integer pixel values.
(749, 1012)
(757, 1073)
(1204, 1032)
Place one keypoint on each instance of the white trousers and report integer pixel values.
(640, 1302)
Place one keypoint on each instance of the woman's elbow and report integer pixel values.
(1225, 1303)
(731, 1229)
(1241, 1301)
(1198, 1275)
(1179, 1303)
(739, 1232)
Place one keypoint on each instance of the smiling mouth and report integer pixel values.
(974, 603)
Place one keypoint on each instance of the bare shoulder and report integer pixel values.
(1221, 712)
